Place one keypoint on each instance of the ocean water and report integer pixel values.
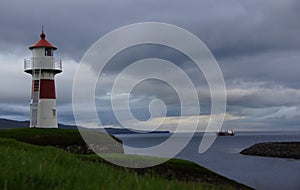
(223, 157)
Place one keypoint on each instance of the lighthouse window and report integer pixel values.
(54, 112)
(48, 52)
(36, 85)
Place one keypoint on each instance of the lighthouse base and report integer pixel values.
(43, 114)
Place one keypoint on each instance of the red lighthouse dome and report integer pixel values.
(43, 43)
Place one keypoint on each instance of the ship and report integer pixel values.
(228, 132)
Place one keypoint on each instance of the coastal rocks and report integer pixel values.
(274, 149)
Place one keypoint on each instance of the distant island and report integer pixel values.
(274, 149)
(11, 124)
(116, 131)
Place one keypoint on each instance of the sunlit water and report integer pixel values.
(223, 157)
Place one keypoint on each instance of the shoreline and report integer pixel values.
(174, 169)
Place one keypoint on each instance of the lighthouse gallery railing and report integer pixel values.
(50, 63)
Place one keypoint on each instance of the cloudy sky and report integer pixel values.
(256, 44)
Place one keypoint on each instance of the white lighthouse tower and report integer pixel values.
(43, 66)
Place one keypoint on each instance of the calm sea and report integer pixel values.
(223, 157)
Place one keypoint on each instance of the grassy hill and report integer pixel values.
(32, 166)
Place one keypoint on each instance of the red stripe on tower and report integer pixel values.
(47, 89)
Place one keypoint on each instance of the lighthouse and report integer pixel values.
(43, 67)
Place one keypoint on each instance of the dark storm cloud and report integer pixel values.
(229, 28)
(274, 68)
(264, 97)
(256, 43)
(71, 25)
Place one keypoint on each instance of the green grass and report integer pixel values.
(27, 166)
(44, 136)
